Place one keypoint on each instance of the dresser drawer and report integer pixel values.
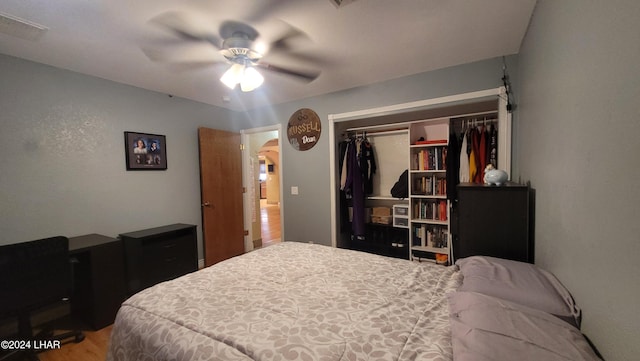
(168, 259)
(401, 210)
(164, 270)
(160, 250)
(159, 254)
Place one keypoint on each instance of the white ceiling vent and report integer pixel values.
(20, 28)
(341, 3)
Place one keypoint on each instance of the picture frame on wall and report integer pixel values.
(144, 151)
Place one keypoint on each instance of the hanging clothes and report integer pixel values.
(493, 146)
(452, 166)
(473, 155)
(481, 145)
(482, 153)
(473, 168)
(464, 159)
(367, 163)
(354, 186)
(344, 208)
(343, 163)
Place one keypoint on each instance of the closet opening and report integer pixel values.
(398, 138)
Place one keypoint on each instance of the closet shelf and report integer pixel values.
(428, 171)
(443, 250)
(429, 145)
(387, 198)
(429, 221)
(439, 196)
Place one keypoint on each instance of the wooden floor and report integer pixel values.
(270, 223)
(92, 348)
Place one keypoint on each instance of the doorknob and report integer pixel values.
(206, 204)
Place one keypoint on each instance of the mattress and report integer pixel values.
(292, 301)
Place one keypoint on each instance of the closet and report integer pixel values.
(414, 137)
(366, 204)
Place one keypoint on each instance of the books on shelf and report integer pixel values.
(429, 186)
(433, 158)
(429, 209)
(431, 236)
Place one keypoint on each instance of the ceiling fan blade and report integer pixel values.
(229, 28)
(187, 28)
(185, 52)
(307, 76)
(195, 65)
(264, 9)
(312, 60)
(290, 39)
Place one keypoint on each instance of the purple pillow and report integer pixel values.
(519, 282)
(488, 328)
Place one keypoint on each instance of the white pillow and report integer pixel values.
(519, 282)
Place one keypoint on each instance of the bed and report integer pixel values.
(298, 301)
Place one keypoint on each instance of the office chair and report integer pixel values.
(33, 275)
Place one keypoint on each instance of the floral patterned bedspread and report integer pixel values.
(292, 301)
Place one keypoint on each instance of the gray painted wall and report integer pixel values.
(576, 139)
(62, 169)
(307, 215)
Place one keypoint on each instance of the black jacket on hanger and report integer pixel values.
(453, 166)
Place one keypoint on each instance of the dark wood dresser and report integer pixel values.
(159, 254)
(493, 221)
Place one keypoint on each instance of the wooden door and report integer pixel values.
(221, 194)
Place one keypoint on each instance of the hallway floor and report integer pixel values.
(269, 222)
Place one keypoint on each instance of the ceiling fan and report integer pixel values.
(242, 47)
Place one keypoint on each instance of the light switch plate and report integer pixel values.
(294, 190)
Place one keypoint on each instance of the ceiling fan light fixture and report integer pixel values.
(251, 79)
(247, 76)
(233, 76)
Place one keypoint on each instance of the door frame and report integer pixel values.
(247, 202)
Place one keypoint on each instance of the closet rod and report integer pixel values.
(477, 119)
(377, 132)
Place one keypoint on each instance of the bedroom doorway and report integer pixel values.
(269, 180)
(262, 172)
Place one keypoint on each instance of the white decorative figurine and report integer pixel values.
(495, 176)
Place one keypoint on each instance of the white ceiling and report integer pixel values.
(364, 42)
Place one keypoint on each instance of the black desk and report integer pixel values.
(99, 278)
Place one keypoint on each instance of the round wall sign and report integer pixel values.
(304, 129)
